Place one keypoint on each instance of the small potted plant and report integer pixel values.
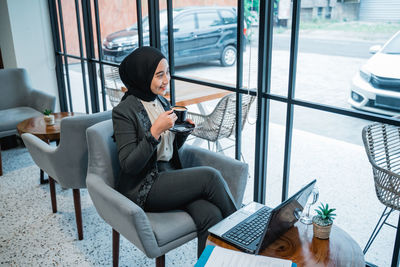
(48, 117)
(322, 222)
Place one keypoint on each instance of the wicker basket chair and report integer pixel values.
(382, 144)
(221, 122)
(113, 85)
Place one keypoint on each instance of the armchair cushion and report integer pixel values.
(168, 226)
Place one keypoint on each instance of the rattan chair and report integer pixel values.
(113, 85)
(221, 122)
(382, 144)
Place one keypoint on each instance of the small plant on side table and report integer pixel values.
(48, 117)
(322, 222)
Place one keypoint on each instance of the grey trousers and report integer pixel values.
(200, 191)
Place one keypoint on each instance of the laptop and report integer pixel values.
(255, 226)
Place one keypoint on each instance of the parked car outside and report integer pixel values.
(201, 34)
(376, 87)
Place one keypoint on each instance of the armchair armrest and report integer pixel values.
(122, 214)
(234, 172)
(42, 153)
(41, 101)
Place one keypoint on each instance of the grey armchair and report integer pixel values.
(19, 101)
(153, 233)
(67, 163)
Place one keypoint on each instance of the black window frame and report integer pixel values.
(263, 93)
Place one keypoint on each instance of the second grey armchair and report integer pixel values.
(153, 233)
(19, 101)
(67, 163)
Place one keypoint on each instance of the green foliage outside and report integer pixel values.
(350, 26)
(376, 31)
(251, 5)
(251, 11)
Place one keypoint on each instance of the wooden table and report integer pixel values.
(299, 246)
(190, 93)
(47, 133)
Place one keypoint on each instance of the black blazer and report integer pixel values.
(137, 148)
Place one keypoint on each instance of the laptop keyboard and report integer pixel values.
(251, 229)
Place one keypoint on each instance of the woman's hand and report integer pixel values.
(164, 122)
(190, 121)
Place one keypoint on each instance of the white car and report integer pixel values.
(376, 87)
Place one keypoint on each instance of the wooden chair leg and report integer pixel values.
(42, 180)
(160, 261)
(53, 194)
(78, 212)
(115, 247)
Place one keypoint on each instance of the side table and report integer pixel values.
(299, 246)
(47, 133)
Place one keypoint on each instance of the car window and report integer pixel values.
(228, 17)
(163, 20)
(393, 47)
(208, 19)
(186, 23)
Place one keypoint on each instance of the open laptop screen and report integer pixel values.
(285, 215)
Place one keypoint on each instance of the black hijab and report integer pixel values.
(137, 70)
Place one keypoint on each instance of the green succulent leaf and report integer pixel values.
(47, 112)
(325, 213)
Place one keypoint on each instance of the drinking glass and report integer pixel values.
(312, 199)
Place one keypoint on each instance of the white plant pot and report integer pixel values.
(49, 119)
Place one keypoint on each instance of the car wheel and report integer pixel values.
(228, 56)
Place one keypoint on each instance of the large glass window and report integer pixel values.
(329, 148)
(345, 71)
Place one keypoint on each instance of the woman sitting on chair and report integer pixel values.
(151, 172)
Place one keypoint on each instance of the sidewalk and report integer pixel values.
(346, 30)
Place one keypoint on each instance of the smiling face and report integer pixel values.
(161, 78)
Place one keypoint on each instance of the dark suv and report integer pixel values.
(201, 34)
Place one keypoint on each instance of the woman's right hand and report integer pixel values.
(164, 122)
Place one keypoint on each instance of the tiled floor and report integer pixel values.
(30, 233)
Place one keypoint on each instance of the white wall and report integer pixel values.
(6, 40)
(26, 42)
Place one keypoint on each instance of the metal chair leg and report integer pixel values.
(219, 147)
(241, 154)
(377, 228)
(395, 258)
